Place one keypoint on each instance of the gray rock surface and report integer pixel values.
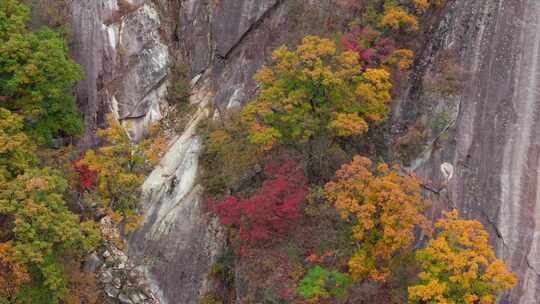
(494, 145)
(178, 238)
(125, 64)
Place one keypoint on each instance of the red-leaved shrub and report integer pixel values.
(86, 177)
(369, 44)
(273, 209)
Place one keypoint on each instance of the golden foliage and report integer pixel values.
(384, 209)
(401, 58)
(459, 266)
(13, 274)
(121, 166)
(314, 89)
(423, 5)
(396, 18)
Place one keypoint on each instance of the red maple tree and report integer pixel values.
(86, 176)
(371, 47)
(273, 209)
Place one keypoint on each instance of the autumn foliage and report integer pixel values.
(87, 176)
(118, 170)
(315, 90)
(369, 44)
(375, 49)
(272, 210)
(13, 274)
(384, 209)
(459, 266)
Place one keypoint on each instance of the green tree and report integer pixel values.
(36, 75)
(13, 18)
(16, 149)
(319, 284)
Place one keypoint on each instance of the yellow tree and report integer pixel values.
(16, 149)
(315, 90)
(402, 15)
(459, 266)
(384, 209)
(121, 166)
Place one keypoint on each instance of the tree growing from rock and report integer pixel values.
(118, 170)
(315, 90)
(459, 266)
(384, 209)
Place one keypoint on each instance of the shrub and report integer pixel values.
(271, 210)
(228, 158)
(370, 45)
(319, 284)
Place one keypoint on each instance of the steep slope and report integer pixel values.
(224, 43)
(493, 144)
(125, 60)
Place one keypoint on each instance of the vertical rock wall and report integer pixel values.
(494, 143)
(125, 63)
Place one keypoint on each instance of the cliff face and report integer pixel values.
(224, 43)
(493, 143)
(125, 60)
(490, 141)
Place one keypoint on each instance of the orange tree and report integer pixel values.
(315, 90)
(459, 266)
(384, 209)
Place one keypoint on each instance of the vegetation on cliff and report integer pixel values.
(335, 228)
(309, 220)
(48, 217)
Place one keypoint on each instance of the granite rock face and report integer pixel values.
(125, 62)
(493, 144)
